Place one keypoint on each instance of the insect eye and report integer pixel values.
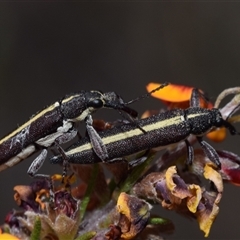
(96, 103)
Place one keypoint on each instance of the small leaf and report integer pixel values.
(35, 235)
(86, 236)
(159, 221)
(86, 199)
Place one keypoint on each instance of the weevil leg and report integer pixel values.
(65, 159)
(122, 168)
(37, 164)
(131, 120)
(210, 152)
(132, 163)
(97, 143)
(66, 137)
(195, 98)
(115, 160)
(136, 162)
(230, 128)
(190, 153)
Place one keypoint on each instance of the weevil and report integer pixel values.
(56, 124)
(160, 130)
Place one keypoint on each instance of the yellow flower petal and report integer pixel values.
(7, 236)
(169, 181)
(205, 219)
(214, 176)
(178, 190)
(193, 201)
(134, 215)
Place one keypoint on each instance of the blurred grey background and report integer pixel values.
(50, 49)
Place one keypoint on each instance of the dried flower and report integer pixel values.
(58, 216)
(171, 191)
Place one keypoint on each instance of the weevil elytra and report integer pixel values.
(160, 131)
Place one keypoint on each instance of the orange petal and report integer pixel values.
(171, 93)
(217, 135)
(176, 96)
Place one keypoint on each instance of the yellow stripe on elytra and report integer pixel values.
(193, 115)
(28, 123)
(70, 98)
(131, 133)
(77, 95)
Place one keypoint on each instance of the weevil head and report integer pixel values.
(215, 117)
(114, 101)
(202, 120)
(95, 100)
(76, 107)
(220, 122)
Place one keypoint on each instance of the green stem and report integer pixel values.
(90, 188)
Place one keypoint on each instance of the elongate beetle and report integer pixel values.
(160, 131)
(55, 124)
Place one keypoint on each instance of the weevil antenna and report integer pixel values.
(130, 119)
(147, 94)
